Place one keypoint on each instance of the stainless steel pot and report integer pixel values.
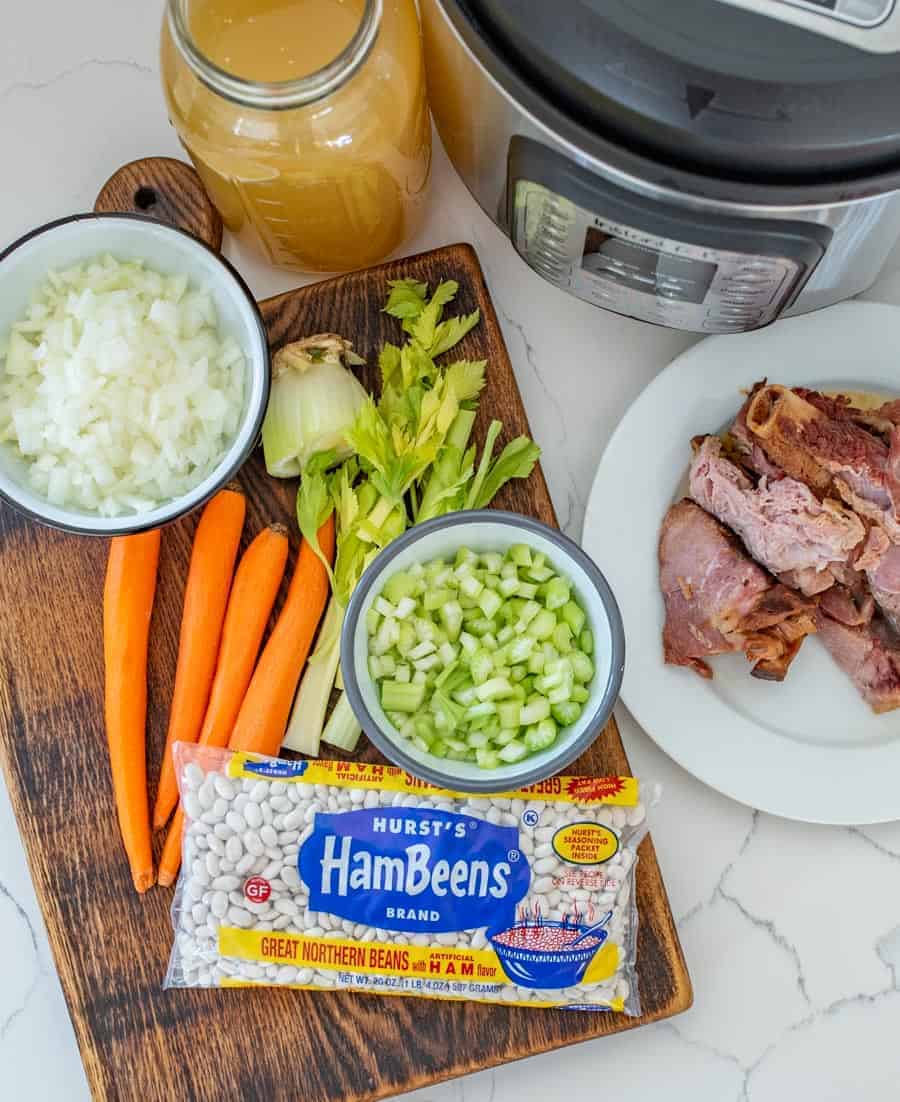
(667, 184)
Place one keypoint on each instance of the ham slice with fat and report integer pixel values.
(782, 523)
(718, 600)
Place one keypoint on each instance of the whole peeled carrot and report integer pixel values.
(253, 594)
(264, 714)
(127, 606)
(205, 598)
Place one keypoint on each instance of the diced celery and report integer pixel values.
(482, 708)
(536, 660)
(529, 611)
(508, 587)
(534, 712)
(476, 662)
(557, 595)
(406, 606)
(435, 599)
(508, 713)
(566, 713)
(452, 618)
(481, 626)
(397, 697)
(471, 587)
(520, 554)
(407, 639)
(494, 688)
(492, 561)
(481, 667)
(582, 667)
(489, 602)
(586, 641)
(425, 630)
(399, 586)
(562, 694)
(540, 737)
(541, 627)
(513, 751)
(574, 617)
(487, 759)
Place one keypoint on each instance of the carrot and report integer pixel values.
(264, 714)
(127, 606)
(205, 598)
(253, 594)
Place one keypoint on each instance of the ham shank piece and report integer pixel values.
(832, 455)
(782, 523)
(718, 600)
(869, 654)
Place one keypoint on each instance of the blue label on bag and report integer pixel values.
(275, 770)
(414, 869)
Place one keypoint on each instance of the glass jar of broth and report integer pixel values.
(306, 119)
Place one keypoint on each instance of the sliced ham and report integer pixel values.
(832, 455)
(718, 600)
(782, 523)
(884, 582)
(869, 654)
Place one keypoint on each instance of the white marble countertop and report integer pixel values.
(791, 932)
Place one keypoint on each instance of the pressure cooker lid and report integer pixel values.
(705, 86)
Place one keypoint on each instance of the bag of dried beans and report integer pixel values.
(317, 874)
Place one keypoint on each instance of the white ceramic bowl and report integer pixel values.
(23, 268)
(485, 530)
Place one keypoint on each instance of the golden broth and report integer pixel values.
(329, 186)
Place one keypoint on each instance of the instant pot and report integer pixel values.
(703, 164)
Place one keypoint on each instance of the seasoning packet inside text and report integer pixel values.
(342, 875)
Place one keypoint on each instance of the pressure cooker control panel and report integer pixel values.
(648, 259)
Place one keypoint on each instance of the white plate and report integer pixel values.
(808, 748)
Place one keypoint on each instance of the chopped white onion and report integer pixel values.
(117, 389)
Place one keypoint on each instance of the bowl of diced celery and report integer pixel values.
(482, 651)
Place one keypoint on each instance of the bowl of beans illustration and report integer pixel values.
(547, 954)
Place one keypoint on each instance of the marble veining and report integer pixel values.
(791, 932)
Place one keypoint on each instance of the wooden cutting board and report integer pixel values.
(111, 947)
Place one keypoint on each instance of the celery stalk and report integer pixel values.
(305, 726)
(342, 729)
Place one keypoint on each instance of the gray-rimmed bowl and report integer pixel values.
(485, 530)
(23, 268)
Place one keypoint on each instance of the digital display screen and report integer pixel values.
(639, 268)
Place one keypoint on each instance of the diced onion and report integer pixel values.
(117, 389)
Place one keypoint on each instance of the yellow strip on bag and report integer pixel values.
(612, 791)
